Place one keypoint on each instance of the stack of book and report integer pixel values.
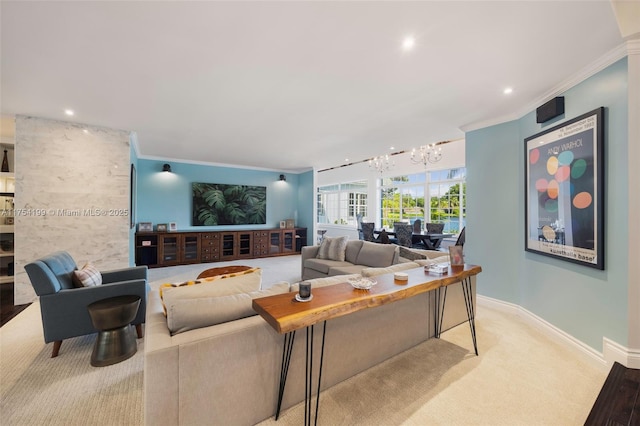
(438, 268)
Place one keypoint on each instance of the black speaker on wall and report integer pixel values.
(551, 109)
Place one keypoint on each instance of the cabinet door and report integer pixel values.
(228, 245)
(288, 241)
(275, 241)
(190, 248)
(244, 241)
(169, 249)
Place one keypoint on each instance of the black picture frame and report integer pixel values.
(132, 197)
(564, 191)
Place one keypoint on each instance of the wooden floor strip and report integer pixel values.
(618, 402)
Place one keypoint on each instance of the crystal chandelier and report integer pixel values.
(381, 163)
(426, 154)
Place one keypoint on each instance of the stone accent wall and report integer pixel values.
(72, 181)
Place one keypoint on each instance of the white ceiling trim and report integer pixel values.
(231, 166)
(590, 70)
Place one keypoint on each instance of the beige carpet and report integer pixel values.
(520, 378)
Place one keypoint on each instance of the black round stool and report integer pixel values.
(116, 339)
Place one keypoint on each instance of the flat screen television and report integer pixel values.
(222, 204)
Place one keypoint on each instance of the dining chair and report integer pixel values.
(417, 226)
(359, 225)
(435, 228)
(460, 240)
(367, 231)
(404, 233)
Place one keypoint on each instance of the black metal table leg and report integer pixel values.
(471, 314)
(468, 301)
(308, 382)
(289, 338)
(440, 311)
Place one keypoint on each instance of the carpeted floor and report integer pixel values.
(520, 378)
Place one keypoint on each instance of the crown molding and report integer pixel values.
(611, 57)
(231, 166)
(633, 47)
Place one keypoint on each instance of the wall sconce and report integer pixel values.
(166, 168)
(283, 178)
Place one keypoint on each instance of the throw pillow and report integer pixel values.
(88, 276)
(333, 248)
(220, 285)
(189, 314)
(377, 255)
(410, 254)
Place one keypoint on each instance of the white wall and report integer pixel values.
(63, 168)
(453, 156)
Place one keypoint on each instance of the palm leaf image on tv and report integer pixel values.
(222, 204)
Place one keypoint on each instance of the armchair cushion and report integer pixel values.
(88, 276)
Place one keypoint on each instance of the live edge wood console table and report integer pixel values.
(286, 315)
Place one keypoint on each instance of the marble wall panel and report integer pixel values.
(72, 183)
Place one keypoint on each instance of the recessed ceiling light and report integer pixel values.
(346, 160)
(408, 43)
(85, 131)
(392, 147)
(69, 111)
(508, 91)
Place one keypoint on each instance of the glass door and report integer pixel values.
(274, 242)
(170, 249)
(191, 248)
(288, 241)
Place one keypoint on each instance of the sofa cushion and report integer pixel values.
(189, 314)
(88, 276)
(323, 265)
(333, 248)
(352, 250)
(324, 282)
(410, 254)
(219, 285)
(372, 272)
(376, 255)
(433, 261)
(346, 270)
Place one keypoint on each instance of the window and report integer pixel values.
(403, 199)
(447, 199)
(340, 204)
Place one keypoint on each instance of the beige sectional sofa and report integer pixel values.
(227, 374)
(357, 256)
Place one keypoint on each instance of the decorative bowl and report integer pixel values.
(362, 283)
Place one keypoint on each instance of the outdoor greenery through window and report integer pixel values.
(403, 199)
(341, 203)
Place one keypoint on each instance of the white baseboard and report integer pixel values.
(612, 351)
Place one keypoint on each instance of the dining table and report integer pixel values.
(430, 240)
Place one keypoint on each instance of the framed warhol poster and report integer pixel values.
(564, 190)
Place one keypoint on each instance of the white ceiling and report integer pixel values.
(292, 85)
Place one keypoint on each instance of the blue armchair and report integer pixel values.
(64, 306)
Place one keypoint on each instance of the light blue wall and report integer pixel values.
(166, 197)
(584, 302)
(306, 200)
